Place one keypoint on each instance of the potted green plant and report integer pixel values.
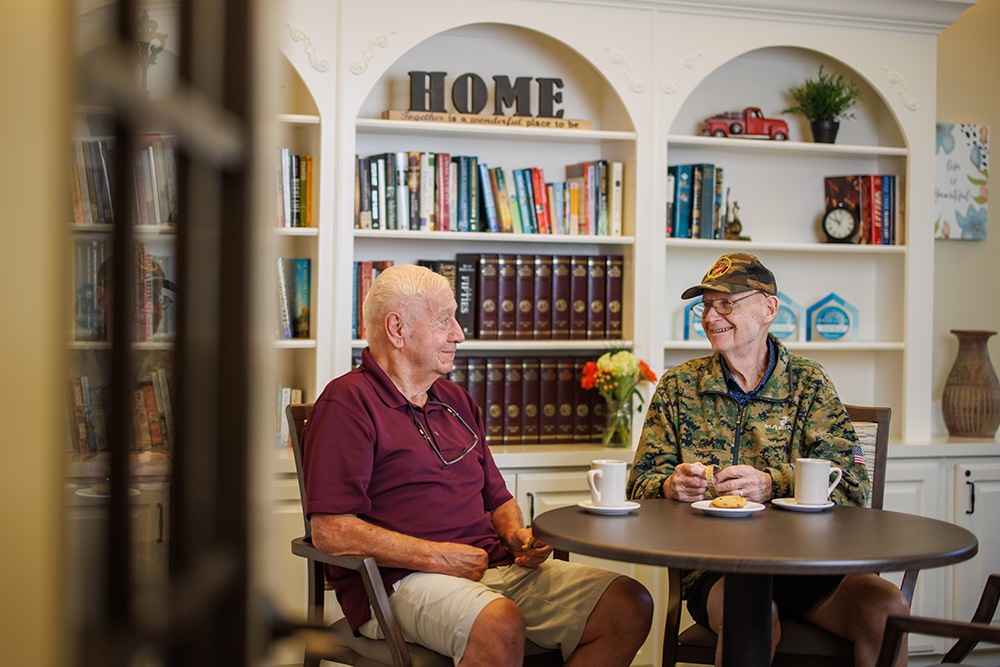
(825, 101)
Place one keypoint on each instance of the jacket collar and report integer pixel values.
(777, 388)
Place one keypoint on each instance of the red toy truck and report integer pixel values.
(750, 123)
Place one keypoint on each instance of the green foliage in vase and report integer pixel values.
(829, 97)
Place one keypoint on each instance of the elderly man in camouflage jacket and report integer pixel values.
(747, 412)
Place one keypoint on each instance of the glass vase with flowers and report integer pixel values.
(616, 375)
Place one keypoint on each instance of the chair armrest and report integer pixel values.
(984, 614)
(377, 597)
(897, 626)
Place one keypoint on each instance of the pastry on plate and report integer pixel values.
(729, 502)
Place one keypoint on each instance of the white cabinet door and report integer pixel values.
(540, 492)
(914, 487)
(977, 508)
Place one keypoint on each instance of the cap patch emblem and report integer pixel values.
(720, 269)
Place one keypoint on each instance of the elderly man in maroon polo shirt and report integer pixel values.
(396, 468)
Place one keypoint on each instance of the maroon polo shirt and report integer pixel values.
(363, 455)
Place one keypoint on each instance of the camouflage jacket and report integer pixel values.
(796, 414)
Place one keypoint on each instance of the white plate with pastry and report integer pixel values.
(707, 507)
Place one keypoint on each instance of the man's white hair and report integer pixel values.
(403, 288)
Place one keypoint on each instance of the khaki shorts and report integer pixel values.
(556, 598)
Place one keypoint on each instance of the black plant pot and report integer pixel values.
(824, 131)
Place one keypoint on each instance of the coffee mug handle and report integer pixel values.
(840, 473)
(591, 474)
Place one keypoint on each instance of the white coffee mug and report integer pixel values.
(812, 481)
(606, 478)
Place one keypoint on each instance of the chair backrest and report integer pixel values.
(874, 441)
(297, 414)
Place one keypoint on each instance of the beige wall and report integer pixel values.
(967, 273)
(34, 134)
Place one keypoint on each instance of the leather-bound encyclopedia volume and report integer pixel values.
(598, 408)
(488, 288)
(613, 298)
(460, 373)
(494, 412)
(578, 297)
(548, 391)
(596, 294)
(524, 300)
(566, 400)
(506, 297)
(530, 401)
(541, 326)
(476, 382)
(512, 401)
(581, 415)
(560, 296)
(466, 282)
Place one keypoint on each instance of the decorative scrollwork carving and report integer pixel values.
(686, 63)
(358, 67)
(618, 58)
(299, 35)
(896, 79)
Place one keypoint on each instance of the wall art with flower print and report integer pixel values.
(961, 175)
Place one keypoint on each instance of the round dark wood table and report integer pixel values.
(751, 549)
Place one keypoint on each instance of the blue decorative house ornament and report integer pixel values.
(789, 323)
(832, 319)
(692, 323)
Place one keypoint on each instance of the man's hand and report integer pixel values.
(460, 560)
(744, 481)
(528, 551)
(687, 483)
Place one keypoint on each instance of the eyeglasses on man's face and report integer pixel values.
(446, 463)
(721, 306)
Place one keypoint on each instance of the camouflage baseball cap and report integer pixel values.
(733, 273)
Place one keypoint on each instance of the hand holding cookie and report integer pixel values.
(687, 483)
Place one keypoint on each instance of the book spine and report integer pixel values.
(413, 186)
(364, 284)
(707, 202)
(144, 440)
(402, 191)
(525, 297)
(561, 304)
(474, 194)
(541, 325)
(462, 199)
(603, 174)
(613, 289)
(507, 297)
(307, 188)
(488, 198)
(384, 196)
(593, 199)
(286, 186)
(541, 200)
(284, 312)
(466, 268)
(477, 382)
(685, 192)
(866, 209)
(81, 168)
(512, 400)
(152, 415)
(494, 413)
(671, 200)
(443, 167)
(387, 172)
(76, 199)
(378, 212)
(696, 201)
(300, 317)
(617, 197)
(888, 212)
(582, 400)
(548, 398)
(525, 202)
(426, 192)
(488, 289)
(578, 297)
(507, 176)
(720, 202)
(530, 395)
(876, 208)
(453, 194)
(460, 373)
(502, 204)
(558, 200)
(160, 380)
(565, 399)
(596, 296)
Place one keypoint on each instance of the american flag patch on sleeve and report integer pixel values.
(859, 455)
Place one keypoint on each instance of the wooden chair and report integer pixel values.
(969, 634)
(802, 644)
(338, 643)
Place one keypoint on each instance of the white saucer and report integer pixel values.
(597, 509)
(790, 504)
(748, 509)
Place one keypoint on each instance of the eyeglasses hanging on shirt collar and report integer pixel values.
(427, 437)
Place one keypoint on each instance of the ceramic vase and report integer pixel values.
(824, 131)
(971, 401)
(618, 423)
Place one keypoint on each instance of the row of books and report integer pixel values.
(152, 317)
(532, 401)
(293, 297)
(151, 407)
(92, 181)
(442, 192)
(696, 201)
(365, 274)
(874, 198)
(294, 176)
(285, 396)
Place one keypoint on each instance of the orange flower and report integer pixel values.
(646, 372)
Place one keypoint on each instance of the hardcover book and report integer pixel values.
(578, 297)
(512, 401)
(566, 400)
(614, 329)
(525, 297)
(488, 289)
(507, 297)
(548, 391)
(581, 409)
(541, 326)
(460, 373)
(477, 382)
(530, 399)
(466, 294)
(596, 296)
(561, 310)
(494, 413)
